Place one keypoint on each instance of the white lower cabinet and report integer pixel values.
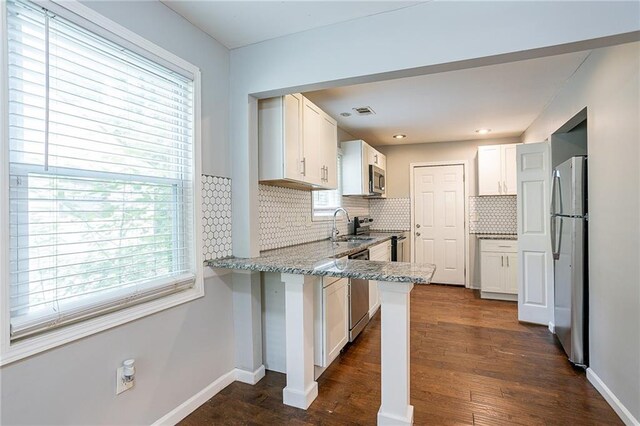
(499, 269)
(380, 252)
(331, 320)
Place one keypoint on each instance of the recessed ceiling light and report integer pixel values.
(399, 136)
(345, 114)
(483, 131)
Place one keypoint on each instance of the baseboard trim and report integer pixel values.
(552, 327)
(250, 377)
(622, 411)
(191, 404)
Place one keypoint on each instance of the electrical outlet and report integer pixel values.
(121, 384)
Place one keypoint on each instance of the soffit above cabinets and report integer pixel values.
(450, 106)
(240, 23)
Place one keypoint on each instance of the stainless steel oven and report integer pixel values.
(358, 300)
(377, 183)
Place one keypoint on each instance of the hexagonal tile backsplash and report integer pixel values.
(391, 214)
(216, 217)
(493, 215)
(286, 218)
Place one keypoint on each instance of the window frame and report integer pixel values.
(11, 352)
(317, 217)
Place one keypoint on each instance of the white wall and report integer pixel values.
(608, 84)
(399, 157)
(178, 351)
(430, 37)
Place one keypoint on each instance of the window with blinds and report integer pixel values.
(324, 203)
(101, 198)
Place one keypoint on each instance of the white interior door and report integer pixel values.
(438, 221)
(535, 265)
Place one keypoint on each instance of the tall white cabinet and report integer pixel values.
(298, 143)
(497, 170)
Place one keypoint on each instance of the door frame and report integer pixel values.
(465, 170)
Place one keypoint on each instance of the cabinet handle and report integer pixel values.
(304, 166)
(504, 186)
(507, 261)
(502, 260)
(499, 188)
(376, 157)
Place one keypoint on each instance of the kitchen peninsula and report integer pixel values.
(301, 268)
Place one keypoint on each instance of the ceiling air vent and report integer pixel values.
(364, 110)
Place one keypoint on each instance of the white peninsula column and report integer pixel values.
(394, 301)
(301, 389)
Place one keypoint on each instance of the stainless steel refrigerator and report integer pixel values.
(569, 245)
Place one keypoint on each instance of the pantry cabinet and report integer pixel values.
(297, 143)
(499, 269)
(497, 170)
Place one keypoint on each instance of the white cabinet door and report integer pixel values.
(511, 273)
(293, 149)
(336, 319)
(312, 126)
(382, 160)
(381, 253)
(509, 175)
(374, 298)
(329, 147)
(489, 170)
(491, 272)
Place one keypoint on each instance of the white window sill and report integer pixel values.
(34, 345)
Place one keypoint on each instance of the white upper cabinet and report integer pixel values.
(497, 170)
(297, 143)
(357, 156)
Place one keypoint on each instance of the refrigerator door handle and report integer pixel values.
(555, 177)
(555, 243)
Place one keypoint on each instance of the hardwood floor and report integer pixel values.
(471, 363)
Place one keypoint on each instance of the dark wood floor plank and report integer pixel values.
(472, 362)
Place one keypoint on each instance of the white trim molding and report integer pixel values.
(622, 411)
(192, 404)
(465, 167)
(250, 377)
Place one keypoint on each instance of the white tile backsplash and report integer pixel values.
(216, 217)
(286, 217)
(391, 214)
(493, 215)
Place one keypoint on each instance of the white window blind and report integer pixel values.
(101, 174)
(324, 203)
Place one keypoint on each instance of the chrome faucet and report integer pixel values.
(334, 231)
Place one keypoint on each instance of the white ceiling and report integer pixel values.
(239, 23)
(450, 106)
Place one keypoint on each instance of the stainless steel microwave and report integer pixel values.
(376, 181)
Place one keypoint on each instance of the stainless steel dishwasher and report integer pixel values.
(358, 300)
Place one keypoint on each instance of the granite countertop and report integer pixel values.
(497, 236)
(323, 258)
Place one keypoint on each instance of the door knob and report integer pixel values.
(417, 225)
(417, 234)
